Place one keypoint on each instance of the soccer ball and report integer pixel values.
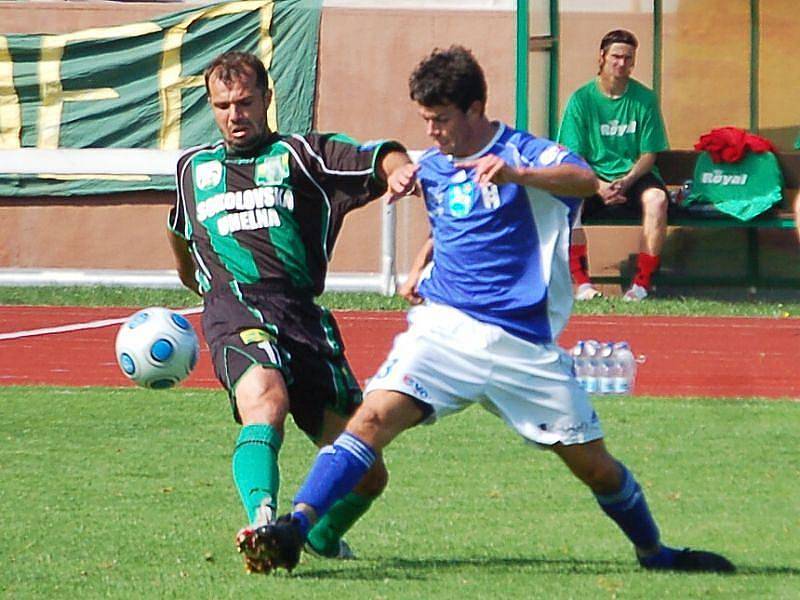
(157, 348)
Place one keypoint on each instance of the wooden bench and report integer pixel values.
(677, 166)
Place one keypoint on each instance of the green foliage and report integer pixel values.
(671, 306)
(127, 493)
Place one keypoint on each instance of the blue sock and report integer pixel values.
(336, 471)
(628, 508)
(303, 521)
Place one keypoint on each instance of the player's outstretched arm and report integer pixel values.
(561, 180)
(400, 174)
(183, 261)
(408, 290)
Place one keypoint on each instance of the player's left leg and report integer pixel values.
(326, 536)
(622, 499)
(337, 469)
(654, 231)
(534, 389)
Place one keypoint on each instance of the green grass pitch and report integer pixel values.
(784, 305)
(127, 493)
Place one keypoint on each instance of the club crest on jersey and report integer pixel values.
(272, 170)
(208, 174)
(552, 155)
(460, 198)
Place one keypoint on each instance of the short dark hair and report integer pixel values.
(233, 65)
(451, 76)
(618, 36)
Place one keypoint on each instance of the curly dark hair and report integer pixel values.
(233, 65)
(451, 76)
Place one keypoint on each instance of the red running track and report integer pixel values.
(688, 356)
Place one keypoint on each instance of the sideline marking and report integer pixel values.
(15, 335)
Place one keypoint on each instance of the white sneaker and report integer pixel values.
(344, 552)
(635, 293)
(586, 291)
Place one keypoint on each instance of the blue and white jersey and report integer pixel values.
(501, 252)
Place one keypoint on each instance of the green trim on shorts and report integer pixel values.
(343, 382)
(326, 321)
(237, 292)
(231, 386)
(339, 386)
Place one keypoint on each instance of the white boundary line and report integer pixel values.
(15, 335)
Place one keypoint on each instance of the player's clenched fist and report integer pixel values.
(402, 182)
(490, 169)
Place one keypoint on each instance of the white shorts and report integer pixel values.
(449, 360)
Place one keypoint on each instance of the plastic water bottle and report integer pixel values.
(591, 350)
(677, 196)
(581, 366)
(607, 362)
(624, 369)
(686, 189)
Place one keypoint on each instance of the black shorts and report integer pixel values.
(595, 208)
(290, 334)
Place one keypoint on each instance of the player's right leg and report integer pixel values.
(253, 367)
(249, 364)
(579, 264)
(796, 208)
(262, 403)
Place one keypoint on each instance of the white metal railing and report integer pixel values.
(92, 161)
(167, 279)
(123, 161)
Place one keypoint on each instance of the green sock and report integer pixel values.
(325, 535)
(255, 467)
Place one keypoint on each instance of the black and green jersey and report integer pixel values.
(268, 220)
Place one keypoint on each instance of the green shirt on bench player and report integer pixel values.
(612, 133)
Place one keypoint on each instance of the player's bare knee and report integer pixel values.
(366, 422)
(655, 203)
(261, 397)
(269, 406)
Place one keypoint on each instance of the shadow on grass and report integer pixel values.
(400, 569)
(424, 568)
(768, 570)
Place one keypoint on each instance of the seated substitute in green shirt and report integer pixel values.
(614, 122)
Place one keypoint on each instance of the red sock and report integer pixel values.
(579, 263)
(646, 265)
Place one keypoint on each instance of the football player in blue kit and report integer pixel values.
(497, 294)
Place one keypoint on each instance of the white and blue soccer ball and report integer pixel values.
(157, 348)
